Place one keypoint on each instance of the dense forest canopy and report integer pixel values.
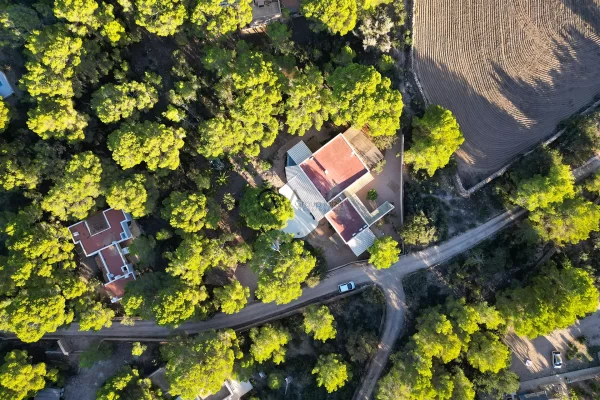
(124, 104)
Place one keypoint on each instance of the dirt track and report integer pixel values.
(510, 70)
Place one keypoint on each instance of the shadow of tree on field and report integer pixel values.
(587, 10)
(544, 102)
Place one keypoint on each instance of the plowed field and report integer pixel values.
(510, 70)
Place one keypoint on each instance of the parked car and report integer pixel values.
(557, 359)
(346, 287)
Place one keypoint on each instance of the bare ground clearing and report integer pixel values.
(509, 71)
(539, 349)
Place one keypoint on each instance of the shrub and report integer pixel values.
(229, 201)
(138, 349)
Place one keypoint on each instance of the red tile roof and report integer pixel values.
(116, 289)
(334, 167)
(346, 220)
(95, 233)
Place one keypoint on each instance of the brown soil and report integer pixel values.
(509, 70)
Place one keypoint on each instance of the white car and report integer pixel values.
(346, 287)
(557, 359)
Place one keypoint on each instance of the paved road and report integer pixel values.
(394, 292)
(389, 280)
(563, 379)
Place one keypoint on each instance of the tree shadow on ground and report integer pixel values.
(587, 10)
(576, 71)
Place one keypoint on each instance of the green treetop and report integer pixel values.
(276, 380)
(268, 343)
(75, 192)
(443, 333)
(215, 18)
(488, 353)
(177, 304)
(282, 265)
(155, 144)
(167, 300)
(569, 222)
(92, 315)
(137, 349)
(319, 322)
(25, 166)
(545, 191)
(581, 139)
(361, 96)
(53, 54)
(280, 35)
(4, 115)
(462, 386)
(593, 184)
(112, 103)
(409, 378)
(231, 298)
(34, 249)
(436, 336)
(34, 312)
(127, 384)
(86, 15)
(190, 212)
(39, 285)
(17, 22)
(436, 136)
(161, 17)
(554, 300)
(344, 57)
(468, 318)
(419, 231)
(332, 372)
(361, 345)
(497, 385)
(76, 11)
(384, 252)
(309, 103)
(197, 253)
(19, 378)
(134, 194)
(263, 208)
(200, 365)
(57, 118)
(337, 16)
(250, 88)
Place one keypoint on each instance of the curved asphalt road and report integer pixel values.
(394, 291)
(389, 280)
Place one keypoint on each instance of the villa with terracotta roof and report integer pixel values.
(105, 237)
(324, 184)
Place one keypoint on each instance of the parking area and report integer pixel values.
(577, 353)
